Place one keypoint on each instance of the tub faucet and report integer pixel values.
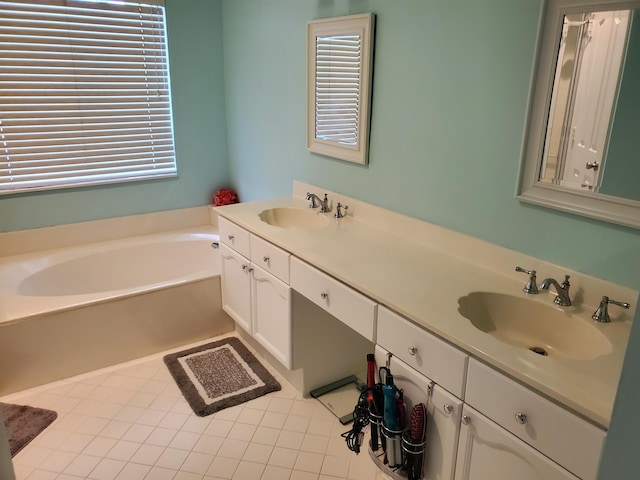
(316, 201)
(562, 299)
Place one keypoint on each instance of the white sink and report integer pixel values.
(546, 330)
(295, 219)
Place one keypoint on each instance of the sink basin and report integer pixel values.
(294, 219)
(545, 330)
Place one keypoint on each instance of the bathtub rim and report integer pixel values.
(13, 306)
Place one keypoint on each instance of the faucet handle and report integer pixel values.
(339, 213)
(531, 286)
(602, 313)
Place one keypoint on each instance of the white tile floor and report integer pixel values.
(131, 422)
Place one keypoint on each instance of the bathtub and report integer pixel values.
(71, 310)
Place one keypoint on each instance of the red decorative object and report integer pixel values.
(225, 196)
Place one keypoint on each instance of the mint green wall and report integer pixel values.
(450, 92)
(195, 50)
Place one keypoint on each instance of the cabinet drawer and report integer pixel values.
(562, 436)
(270, 258)
(441, 362)
(344, 303)
(234, 236)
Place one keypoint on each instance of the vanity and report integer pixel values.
(435, 300)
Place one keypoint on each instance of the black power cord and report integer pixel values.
(360, 420)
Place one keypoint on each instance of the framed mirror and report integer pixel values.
(581, 154)
(339, 58)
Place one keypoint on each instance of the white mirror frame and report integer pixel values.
(362, 25)
(530, 189)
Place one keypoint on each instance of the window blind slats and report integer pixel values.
(84, 94)
(337, 88)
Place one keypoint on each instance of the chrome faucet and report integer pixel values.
(316, 201)
(562, 299)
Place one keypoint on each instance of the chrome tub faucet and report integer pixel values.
(562, 299)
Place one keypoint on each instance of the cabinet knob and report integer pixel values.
(265, 259)
(324, 295)
(412, 350)
(466, 419)
(246, 268)
(521, 418)
(230, 237)
(448, 409)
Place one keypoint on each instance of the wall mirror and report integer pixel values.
(582, 153)
(339, 58)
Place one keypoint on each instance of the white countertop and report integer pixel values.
(420, 271)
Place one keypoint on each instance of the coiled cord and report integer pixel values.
(360, 420)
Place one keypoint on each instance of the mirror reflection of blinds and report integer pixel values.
(338, 60)
(84, 94)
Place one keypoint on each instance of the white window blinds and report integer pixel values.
(338, 60)
(84, 94)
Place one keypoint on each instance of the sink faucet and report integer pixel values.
(562, 299)
(315, 201)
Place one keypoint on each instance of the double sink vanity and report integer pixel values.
(515, 384)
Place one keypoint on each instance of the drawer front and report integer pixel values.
(441, 362)
(554, 431)
(270, 258)
(344, 303)
(234, 236)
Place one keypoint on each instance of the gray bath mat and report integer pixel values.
(219, 375)
(24, 423)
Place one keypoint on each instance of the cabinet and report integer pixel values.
(443, 421)
(253, 291)
(236, 287)
(552, 430)
(487, 451)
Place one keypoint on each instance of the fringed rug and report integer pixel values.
(219, 375)
(24, 423)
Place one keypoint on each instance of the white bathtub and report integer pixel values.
(71, 310)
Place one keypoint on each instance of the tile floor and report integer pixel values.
(130, 422)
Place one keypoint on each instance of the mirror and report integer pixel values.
(339, 52)
(580, 152)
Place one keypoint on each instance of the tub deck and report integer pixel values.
(47, 333)
(66, 278)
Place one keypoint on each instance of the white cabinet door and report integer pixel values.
(487, 451)
(272, 315)
(236, 287)
(443, 420)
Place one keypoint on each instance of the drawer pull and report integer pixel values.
(448, 409)
(521, 418)
(246, 268)
(412, 350)
(230, 237)
(324, 295)
(265, 259)
(466, 419)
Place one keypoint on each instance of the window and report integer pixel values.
(339, 86)
(84, 94)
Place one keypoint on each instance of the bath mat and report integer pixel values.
(219, 375)
(24, 423)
